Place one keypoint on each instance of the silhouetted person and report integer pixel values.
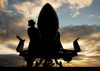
(33, 44)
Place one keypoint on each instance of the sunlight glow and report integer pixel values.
(5, 50)
(68, 46)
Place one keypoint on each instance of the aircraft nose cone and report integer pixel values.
(47, 4)
(48, 16)
(47, 8)
(48, 21)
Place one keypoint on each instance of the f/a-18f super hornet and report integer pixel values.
(50, 46)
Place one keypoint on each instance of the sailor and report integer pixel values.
(33, 44)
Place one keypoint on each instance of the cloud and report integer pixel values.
(90, 16)
(14, 25)
(3, 4)
(5, 50)
(73, 32)
(78, 4)
(29, 9)
(10, 24)
(89, 36)
(98, 0)
(98, 17)
(32, 9)
(89, 43)
(75, 14)
(75, 5)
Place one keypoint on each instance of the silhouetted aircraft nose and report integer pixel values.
(48, 17)
(47, 4)
(48, 21)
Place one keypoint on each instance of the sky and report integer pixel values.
(77, 18)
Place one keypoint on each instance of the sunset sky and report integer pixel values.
(77, 18)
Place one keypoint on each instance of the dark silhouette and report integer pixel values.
(45, 41)
(76, 46)
(20, 45)
(33, 34)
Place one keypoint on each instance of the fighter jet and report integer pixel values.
(48, 25)
(51, 47)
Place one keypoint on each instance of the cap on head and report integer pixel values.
(31, 23)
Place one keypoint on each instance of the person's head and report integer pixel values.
(31, 23)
